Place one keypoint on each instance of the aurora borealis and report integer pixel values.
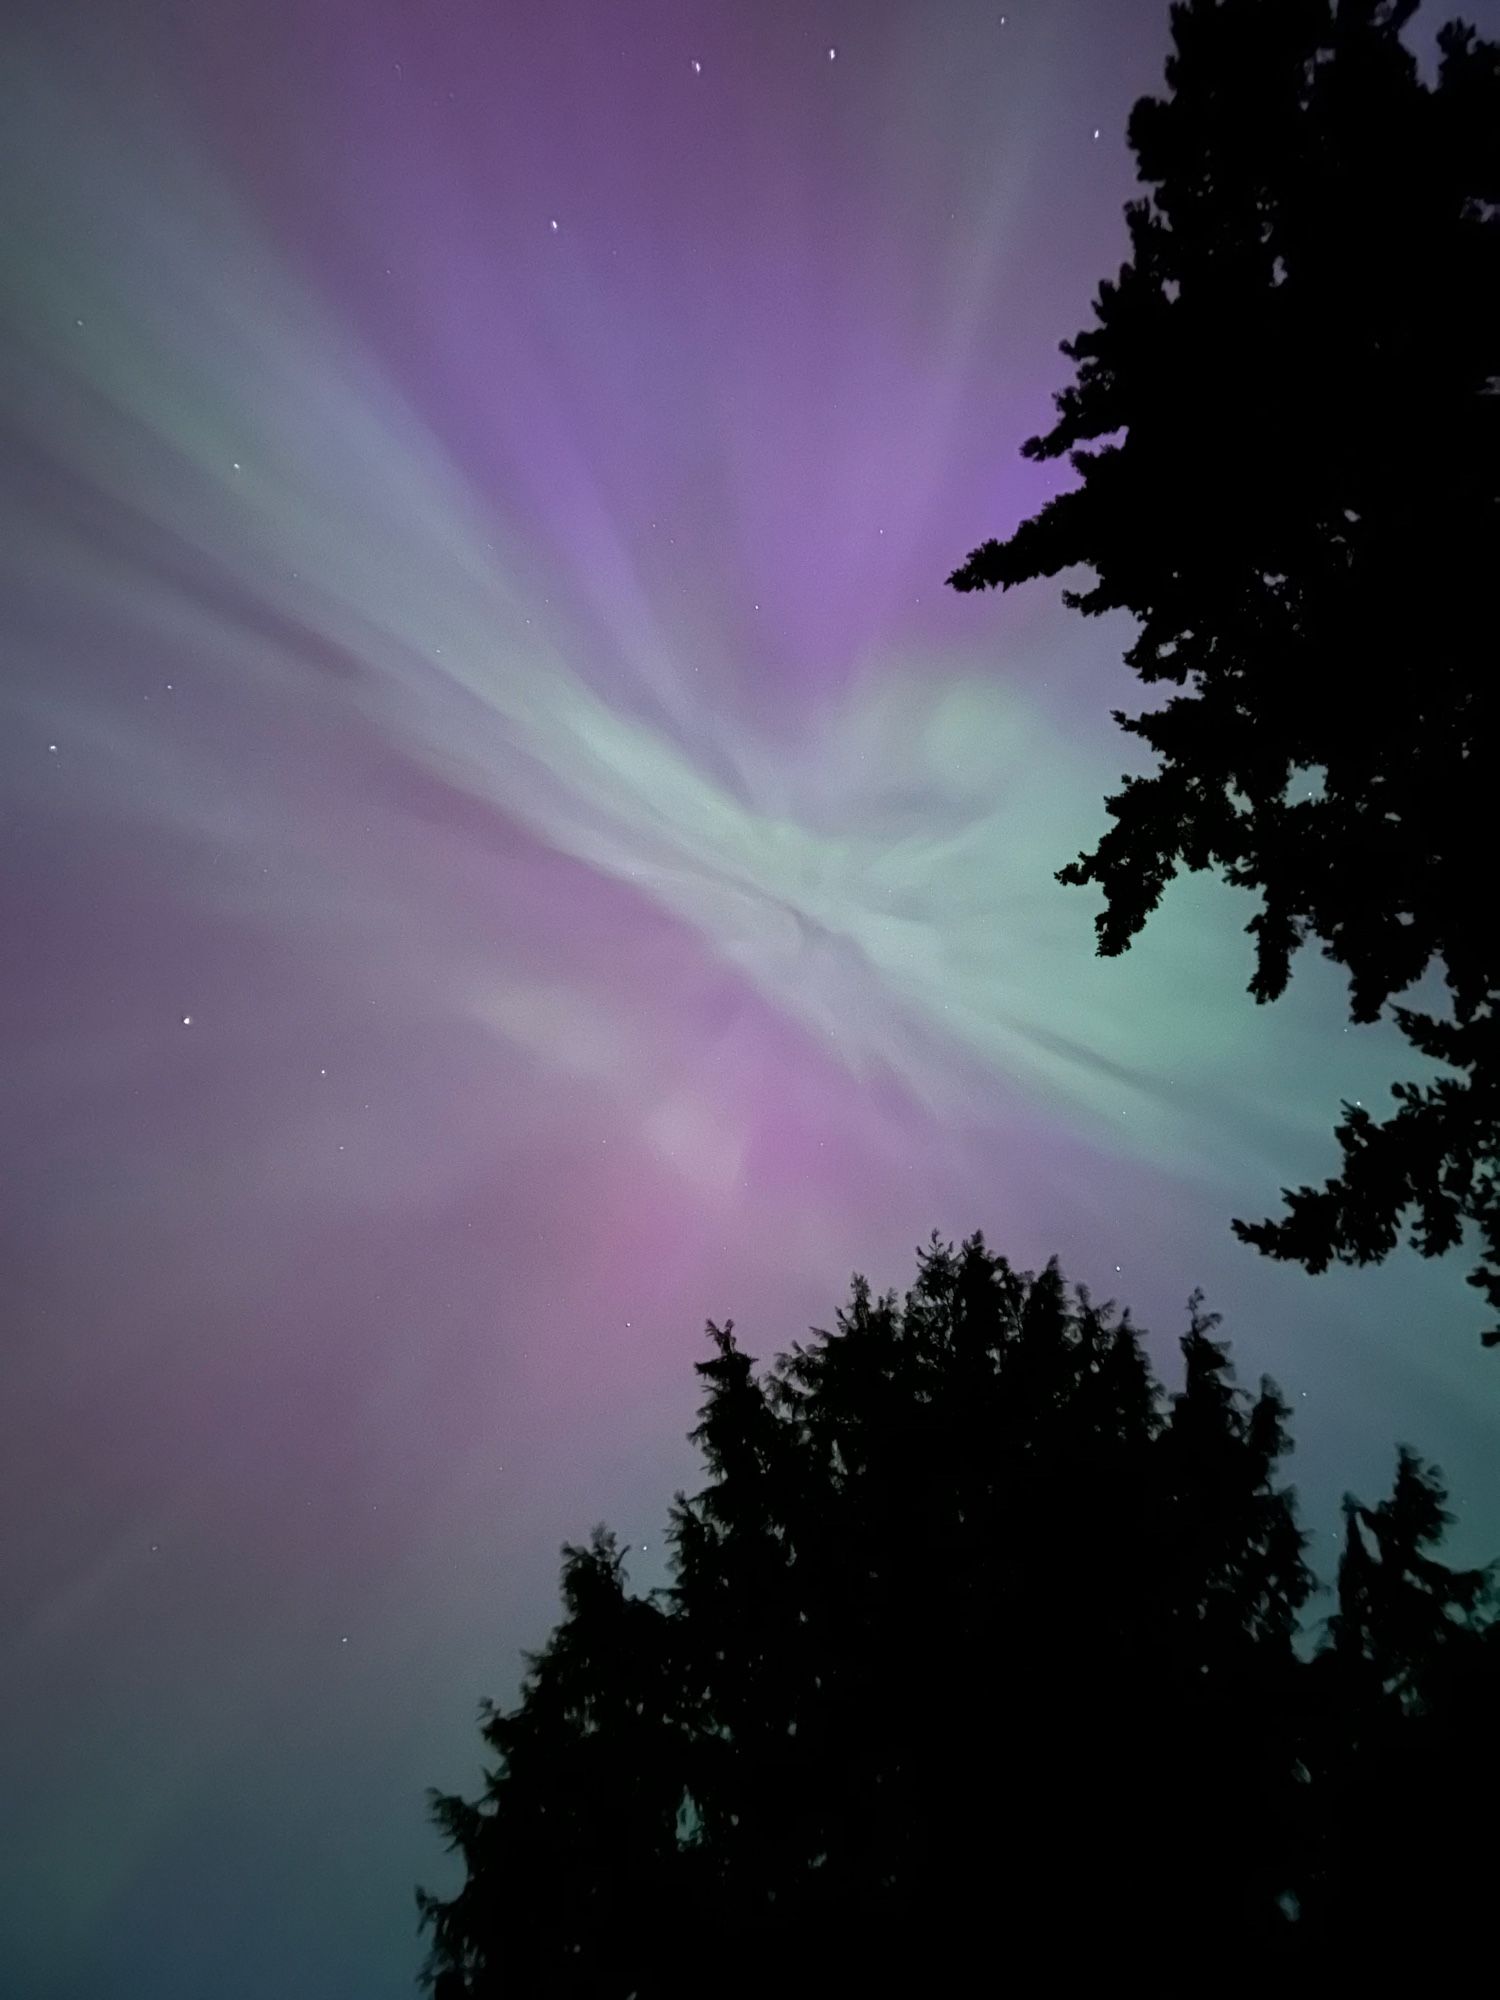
(511, 851)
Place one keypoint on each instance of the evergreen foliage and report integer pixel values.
(977, 1645)
(1286, 425)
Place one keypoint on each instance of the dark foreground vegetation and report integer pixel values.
(981, 1651)
(1286, 423)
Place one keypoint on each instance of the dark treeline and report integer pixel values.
(983, 1651)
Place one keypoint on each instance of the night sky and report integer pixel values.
(510, 850)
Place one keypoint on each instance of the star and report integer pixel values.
(187, 1020)
(831, 54)
(554, 225)
(697, 67)
(1096, 131)
(53, 748)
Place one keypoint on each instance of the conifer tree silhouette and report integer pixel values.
(978, 1647)
(1403, 1753)
(1286, 424)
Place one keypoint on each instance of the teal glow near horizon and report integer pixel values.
(514, 851)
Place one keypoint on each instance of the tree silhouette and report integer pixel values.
(1285, 422)
(1405, 1743)
(578, 1834)
(977, 1644)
